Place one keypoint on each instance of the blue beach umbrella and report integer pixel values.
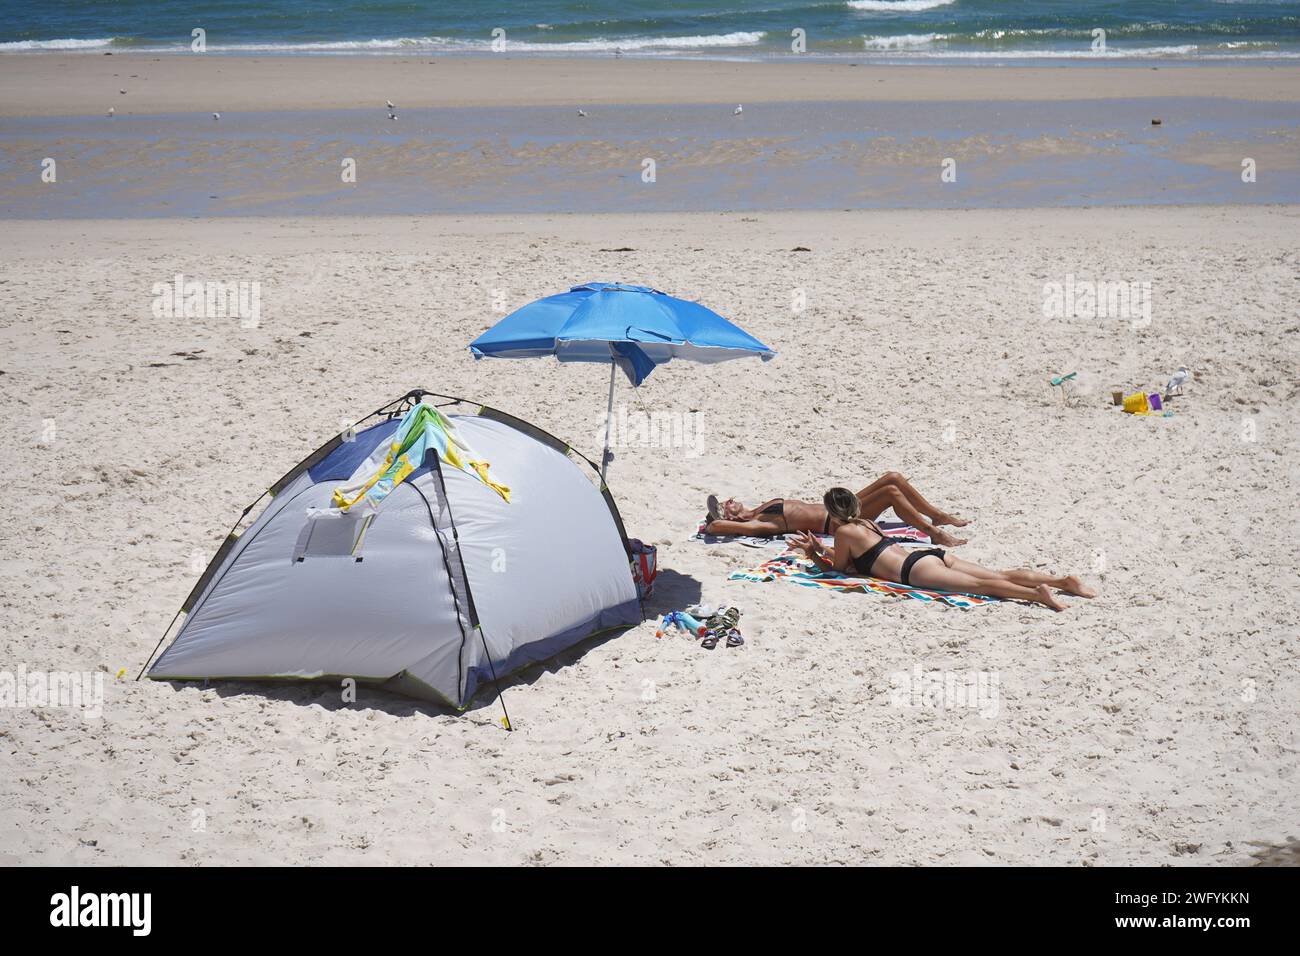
(632, 327)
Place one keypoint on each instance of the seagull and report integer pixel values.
(390, 105)
(216, 116)
(123, 92)
(582, 112)
(738, 110)
(392, 115)
(1177, 380)
(111, 111)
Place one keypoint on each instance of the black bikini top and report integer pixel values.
(867, 559)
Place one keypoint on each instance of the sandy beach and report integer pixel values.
(1153, 725)
(898, 199)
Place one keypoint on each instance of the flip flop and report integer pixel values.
(715, 510)
(734, 639)
(711, 639)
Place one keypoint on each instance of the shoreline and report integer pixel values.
(1239, 223)
(69, 84)
(883, 56)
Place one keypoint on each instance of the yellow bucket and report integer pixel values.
(1137, 403)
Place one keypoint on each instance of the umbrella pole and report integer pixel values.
(609, 420)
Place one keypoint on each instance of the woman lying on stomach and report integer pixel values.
(862, 548)
(782, 515)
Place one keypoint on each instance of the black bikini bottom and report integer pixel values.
(914, 557)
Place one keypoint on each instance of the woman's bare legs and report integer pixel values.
(897, 480)
(756, 527)
(929, 573)
(891, 496)
(1068, 583)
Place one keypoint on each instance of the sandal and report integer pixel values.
(714, 509)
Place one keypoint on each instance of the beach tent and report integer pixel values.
(436, 545)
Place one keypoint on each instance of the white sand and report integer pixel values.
(1136, 705)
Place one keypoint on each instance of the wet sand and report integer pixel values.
(653, 158)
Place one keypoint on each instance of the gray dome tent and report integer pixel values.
(443, 584)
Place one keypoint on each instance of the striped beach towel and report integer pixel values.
(895, 529)
(798, 570)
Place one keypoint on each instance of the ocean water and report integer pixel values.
(888, 30)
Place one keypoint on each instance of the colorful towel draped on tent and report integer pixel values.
(797, 570)
(422, 428)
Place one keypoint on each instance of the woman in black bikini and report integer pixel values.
(782, 515)
(862, 547)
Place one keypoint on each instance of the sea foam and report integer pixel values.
(897, 6)
(18, 46)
